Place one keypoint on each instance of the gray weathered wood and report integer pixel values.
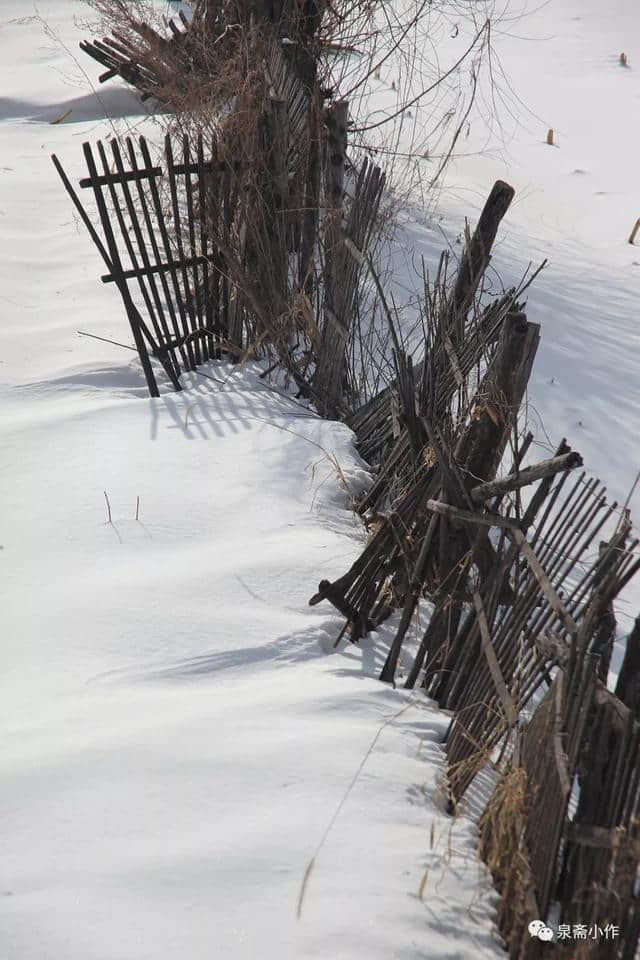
(466, 516)
(476, 256)
(545, 584)
(506, 699)
(546, 468)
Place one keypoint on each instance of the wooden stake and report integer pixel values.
(466, 516)
(546, 468)
(633, 233)
(550, 138)
(475, 258)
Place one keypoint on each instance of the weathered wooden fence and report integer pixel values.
(576, 823)
(344, 261)
(209, 260)
(552, 610)
(158, 246)
(522, 585)
(206, 257)
(121, 54)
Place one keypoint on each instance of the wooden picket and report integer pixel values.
(158, 249)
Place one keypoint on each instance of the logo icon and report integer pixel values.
(539, 929)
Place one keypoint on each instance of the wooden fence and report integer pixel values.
(520, 580)
(578, 762)
(158, 247)
(121, 53)
(207, 259)
(552, 607)
(522, 584)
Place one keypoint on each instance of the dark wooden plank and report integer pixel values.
(211, 278)
(468, 517)
(542, 577)
(168, 257)
(133, 256)
(82, 213)
(208, 165)
(111, 178)
(164, 335)
(546, 468)
(148, 212)
(191, 217)
(177, 230)
(224, 218)
(135, 320)
(175, 264)
(415, 588)
(628, 684)
(506, 699)
(476, 255)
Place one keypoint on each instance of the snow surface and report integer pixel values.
(179, 738)
(556, 66)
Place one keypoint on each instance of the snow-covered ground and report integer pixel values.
(179, 737)
(555, 66)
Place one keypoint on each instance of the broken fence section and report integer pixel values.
(521, 573)
(561, 833)
(561, 587)
(205, 260)
(124, 54)
(157, 251)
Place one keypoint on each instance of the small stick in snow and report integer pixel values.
(63, 116)
(137, 508)
(623, 60)
(636, 227)
(108, 507)
(341, 803)
(115, 343)
(550, 138)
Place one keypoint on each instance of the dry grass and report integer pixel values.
(502, 848)
(217, 77)
(502, 823)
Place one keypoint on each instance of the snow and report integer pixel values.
(189, 769)
(556, 65)
(576, 204)
(184, 754)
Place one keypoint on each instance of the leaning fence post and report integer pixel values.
(333, 340)
(114, 256)
(476, 256)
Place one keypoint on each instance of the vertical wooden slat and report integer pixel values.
(211, 277)
(185, 296)
(203, 345)
(164, 336)
(234, 327)
(147, 207)
(135, 319)
(168, 250)
(133, 257)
